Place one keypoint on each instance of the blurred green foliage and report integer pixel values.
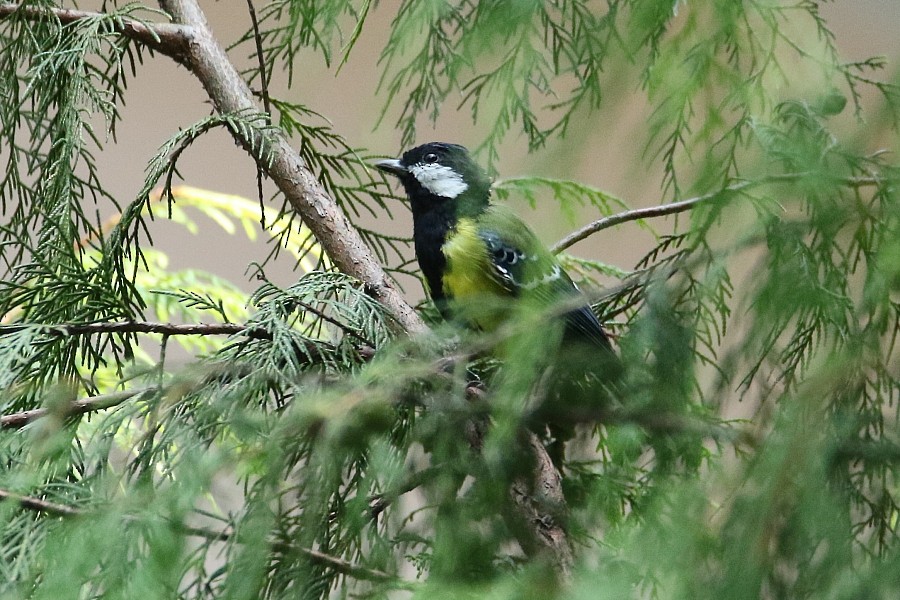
(312, 454)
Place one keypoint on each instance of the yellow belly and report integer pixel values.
(469, 281)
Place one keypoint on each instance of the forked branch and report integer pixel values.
(165, 38)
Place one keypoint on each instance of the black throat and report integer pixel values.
(433, 219)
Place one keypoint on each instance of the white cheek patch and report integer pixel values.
(439, 180)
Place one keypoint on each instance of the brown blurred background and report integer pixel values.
(606, 153)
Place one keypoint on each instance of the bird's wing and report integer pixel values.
(525, 268)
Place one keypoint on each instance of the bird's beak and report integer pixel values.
(392, 166)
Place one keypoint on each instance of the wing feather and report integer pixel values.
(522, 266)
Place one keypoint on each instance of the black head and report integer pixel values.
(436, 172)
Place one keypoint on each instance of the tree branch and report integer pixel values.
(165, 38)
(542, 507)
(377, 503)
(147, 327)
(685, 205)
(191, 43)
(366, 349)
(76, 408)
(208, 61)
(643, 213)
(333, 562)
(36, 504)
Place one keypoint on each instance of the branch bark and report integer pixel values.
(542, 508)
(207, 60)
(165, 38)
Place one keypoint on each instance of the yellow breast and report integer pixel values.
(469, 281)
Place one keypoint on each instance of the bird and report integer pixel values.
(480, 261)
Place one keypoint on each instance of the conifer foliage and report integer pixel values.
(324, 439)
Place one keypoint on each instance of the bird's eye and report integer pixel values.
(430, 158)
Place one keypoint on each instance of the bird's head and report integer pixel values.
(436, 172)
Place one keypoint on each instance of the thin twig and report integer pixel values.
(666, 423)
(147, 327)
(643, 213)
(685, 205)
(263, 75)
(36, 504)
(267, 104)
(333, 562)
(379, 502)
(76, 408)
(169, 329)
(337, 564)
(342, 326)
